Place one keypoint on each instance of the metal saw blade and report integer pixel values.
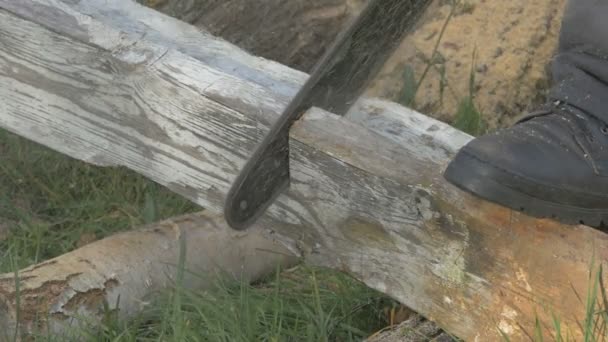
(335, 83)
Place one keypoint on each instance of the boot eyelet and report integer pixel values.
(604, 130)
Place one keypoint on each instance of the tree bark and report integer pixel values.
(129, 268)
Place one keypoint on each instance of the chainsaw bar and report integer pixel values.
(335, 83)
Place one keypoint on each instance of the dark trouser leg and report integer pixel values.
(580, 68)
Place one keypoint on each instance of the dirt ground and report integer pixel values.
(513, 42)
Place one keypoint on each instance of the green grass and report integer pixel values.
(49, 202)
(411, 86)
(302, 305)
(467, 118)
(593, 326)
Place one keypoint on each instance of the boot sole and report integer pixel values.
(481, 179)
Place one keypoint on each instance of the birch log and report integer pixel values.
(68, 292)
(114, 83)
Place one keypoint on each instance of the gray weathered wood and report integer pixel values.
(113, 83)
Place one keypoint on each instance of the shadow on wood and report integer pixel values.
(130, 268)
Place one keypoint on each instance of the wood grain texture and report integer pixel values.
(102, 81)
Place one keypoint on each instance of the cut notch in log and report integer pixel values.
(367, 195)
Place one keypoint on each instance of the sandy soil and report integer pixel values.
(514, 42)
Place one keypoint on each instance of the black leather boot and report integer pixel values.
(553, 163)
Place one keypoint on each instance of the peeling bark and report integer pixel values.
(129, 269)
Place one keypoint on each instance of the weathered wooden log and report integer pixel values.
(70, 291)
(113, 83)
